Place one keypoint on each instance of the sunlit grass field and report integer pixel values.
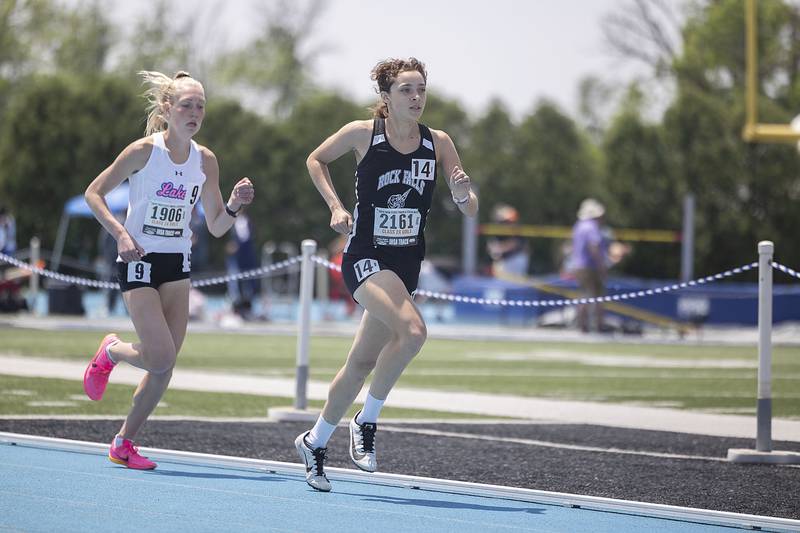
(720, 379)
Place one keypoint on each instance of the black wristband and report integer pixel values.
(231, 212)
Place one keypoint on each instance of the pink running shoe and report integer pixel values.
(95, 378)
(128, 455)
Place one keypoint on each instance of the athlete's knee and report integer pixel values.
(161, 358)
(162, 367)
(360, 368)
(414, 335)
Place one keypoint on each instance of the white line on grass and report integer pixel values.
(549, 444)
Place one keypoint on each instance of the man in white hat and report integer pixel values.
(589, 261)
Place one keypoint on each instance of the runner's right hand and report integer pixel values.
(341, 220)
(128, 249)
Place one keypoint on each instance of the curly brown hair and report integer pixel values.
(385, 74)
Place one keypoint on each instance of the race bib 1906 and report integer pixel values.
(396, 227)
(164, 220)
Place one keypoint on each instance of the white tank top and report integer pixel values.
(161, 199)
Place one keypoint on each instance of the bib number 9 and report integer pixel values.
(139, 272)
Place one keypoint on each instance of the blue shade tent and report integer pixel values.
(117, 200)
(77, 207)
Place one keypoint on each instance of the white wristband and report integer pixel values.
(462, 201)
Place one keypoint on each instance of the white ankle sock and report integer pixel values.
(371, 410)
(320, 434)
(118, 441)
(108, 352)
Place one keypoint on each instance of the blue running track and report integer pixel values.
(57, 485)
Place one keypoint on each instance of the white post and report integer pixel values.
(764, 406)
(764, 452)
(33, 287)
(61, 237)
(323, 286)
(687, 239)
(304, 321)
(469, 242)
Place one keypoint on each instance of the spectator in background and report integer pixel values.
(199, 241)
(589, 262)
(107, 262)
(242, 258)
(8, 232)
(509, 253)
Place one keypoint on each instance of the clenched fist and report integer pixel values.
(242, 194)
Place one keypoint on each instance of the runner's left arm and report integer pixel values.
(218, 220)
(458, 181)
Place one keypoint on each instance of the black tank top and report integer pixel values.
(393, 196)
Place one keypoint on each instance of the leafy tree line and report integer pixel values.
(66, 110)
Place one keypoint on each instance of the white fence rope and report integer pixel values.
(255, 273)
(563, 302)
(785, 270)
(265, 271)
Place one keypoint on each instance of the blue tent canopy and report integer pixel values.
(117, 201)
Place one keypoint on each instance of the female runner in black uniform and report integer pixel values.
(397, 160)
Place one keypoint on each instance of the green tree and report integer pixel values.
(313, 119)
(59, 133)
(157, 42)
(274, 67)
(83, 40)
(641, 188)
(556, 169)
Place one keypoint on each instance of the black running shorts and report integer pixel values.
(357, 268)
(153, 270)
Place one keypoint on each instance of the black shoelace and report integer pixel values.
(319, 460)
(368, 436)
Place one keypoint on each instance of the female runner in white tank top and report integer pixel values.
(168, 173)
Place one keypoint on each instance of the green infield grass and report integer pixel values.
(719, 379)
(61, 397)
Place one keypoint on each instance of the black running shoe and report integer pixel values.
(314, 459)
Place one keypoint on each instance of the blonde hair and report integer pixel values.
(385, 74)
(161, 90)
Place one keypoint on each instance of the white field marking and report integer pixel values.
(730, 410)
(18, 392)
(265, 420)
(162, 405)
(549, 444)
(79, 398)
(52, 403)
(588, 373)
(689, 394)
(600, 359)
